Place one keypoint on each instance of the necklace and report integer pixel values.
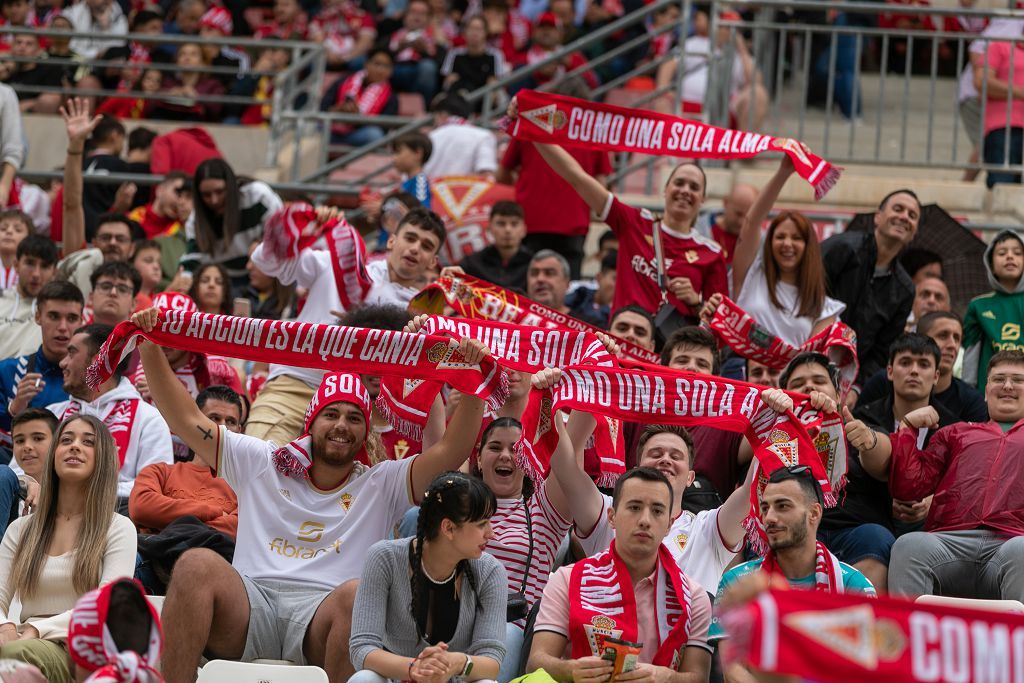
(435, 581)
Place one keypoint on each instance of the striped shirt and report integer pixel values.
(511, 542)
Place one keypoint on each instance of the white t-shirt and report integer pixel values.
(290, 531)
(461, 149)
(783, 323)
(696, 67)
(511, 541)
(693, 539)
(384, 291)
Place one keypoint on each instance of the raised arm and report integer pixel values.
(79, 127)
(172, 398)
(585, 503)
(750, 234)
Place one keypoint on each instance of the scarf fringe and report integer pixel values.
(755, 537)
(523, 461)
(606, 479)
(406, 427)
(500, 393)
(827, 182)
(288, 465)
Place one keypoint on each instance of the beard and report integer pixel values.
(796, 536)
(328, 454)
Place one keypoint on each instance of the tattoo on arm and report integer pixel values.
(207, 433)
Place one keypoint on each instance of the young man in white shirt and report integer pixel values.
(307, 514)
(412, 251)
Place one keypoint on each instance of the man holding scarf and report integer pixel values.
(307, 512)
(634, 591)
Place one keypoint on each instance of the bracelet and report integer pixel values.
(875, 442)
(411, 663)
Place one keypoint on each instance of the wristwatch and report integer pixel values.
(468, 669)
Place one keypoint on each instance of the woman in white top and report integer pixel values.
(73, 543)
(781, 282)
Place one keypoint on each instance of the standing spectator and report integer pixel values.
(448, 618)
(97, 16)
(185, 88)
(140, 433)
(862, 270)
(993, 320)
(930, 294)
(416, 52)
(1004, 107)
(35, 380)
(211, 289)
(12, 141)
(289, 22)
(726, 225)
(556, 216)
(548, 38)
(102, 157)
(366, 92)
(229, 215)
(506, 261)
(474, 64)
(346, 31)
(73, 543)
(459, 147)
(217, 23)
(36, 264)
(412, 151)
(37, 73)
(14, 227)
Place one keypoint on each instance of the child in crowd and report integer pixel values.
(14, 227)
(992, 322)
(146, 260)
(412, 151)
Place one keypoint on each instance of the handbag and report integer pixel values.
(668, 319)
(518, 607)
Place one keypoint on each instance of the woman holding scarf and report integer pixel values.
(432, 608)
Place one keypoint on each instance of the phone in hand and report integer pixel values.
(242, 307)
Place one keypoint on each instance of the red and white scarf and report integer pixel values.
(602, 604)
(310, 345)
(370, 98)
(828, 575)
(120, 421)
(835, 638)
(567, 121)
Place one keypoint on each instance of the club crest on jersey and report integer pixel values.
(599, 628)
(681, 540)
(285, 493)
(692, 256)
(345, 501)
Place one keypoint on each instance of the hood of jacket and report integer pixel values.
(988, 262)
(124, 390)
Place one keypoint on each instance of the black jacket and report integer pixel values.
(486, 264)
(876, 307)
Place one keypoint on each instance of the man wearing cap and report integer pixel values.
(307, 513)
(216, 23)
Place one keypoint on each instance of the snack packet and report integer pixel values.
(623, 655)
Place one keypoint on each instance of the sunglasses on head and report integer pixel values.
(802, 471)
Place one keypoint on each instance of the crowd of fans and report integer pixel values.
(439, 557)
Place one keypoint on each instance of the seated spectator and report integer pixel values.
(123, 64)
(415, 46)
(593, 304)
(506, 261)
(146, 261)
(270, 299)
(971, 545)
(112, 295)
(547, 280)
(474, 64)
(958, 397)
(993, 320)
(725, 225)
(171, 206)
(641, 514)
(446, 18)
(35, 263)
(508, 30)
(289, 22)
(211, 289)
(187, 16)
(346, 31)
(12, 142)
(140, 433)
(217, 23)
(36, 380)
(546, 40)
(366, 92)
(164, 492)
(755, 373)
(459, 147)
(32, 432)
(36, 73)
(262, 574)
(14, 227)
(633, 324)
(556, 216)
(457, 593)
(113, 243)
(102, 156)
(97, 16)
(663, 43)
(930, 294)
(17, 13)
(128, 106)
(185, 88)
(791, 508)
(258, 85)
(1004, 108)
(73, 543)
(228, 216)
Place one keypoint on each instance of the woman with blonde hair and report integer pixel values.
(73, 543)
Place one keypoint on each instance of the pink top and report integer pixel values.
(1000, 56)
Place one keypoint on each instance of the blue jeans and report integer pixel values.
(995, 153)
(514, 639)
(418, 77)
(360, 137)
(407, 527)
(864, 542)
(9, 488)
(846, 87)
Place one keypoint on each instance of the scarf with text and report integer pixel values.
(568, 121)
(602, 604)
(740, 332)
(120, 421)
(828, 576)
(311, 345)
(664, 396)
(835, 638)
(478, 299)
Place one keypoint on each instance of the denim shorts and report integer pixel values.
(864, 542)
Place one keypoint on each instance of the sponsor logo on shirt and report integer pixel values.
(1010, 332)
(309, 532)
(989, 315)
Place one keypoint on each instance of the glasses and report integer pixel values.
(999, 380)
(108, 287)
(108, 237)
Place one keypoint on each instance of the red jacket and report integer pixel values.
(975, 471)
